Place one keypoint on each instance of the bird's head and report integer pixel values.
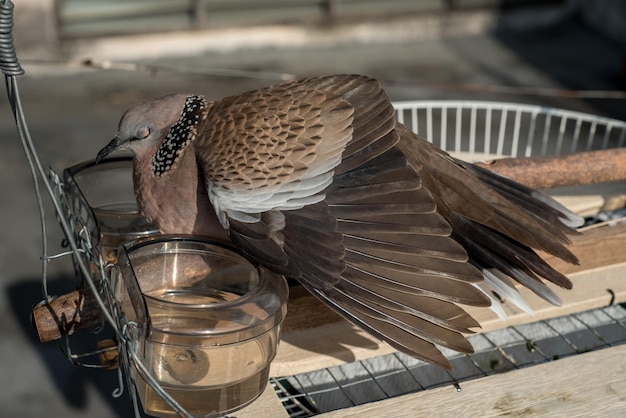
(159, 129)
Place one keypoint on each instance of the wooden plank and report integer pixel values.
(267, 405)
(590, 199)
(598, 280)
(314, 337)
(595, 248)
(336, 343)
(593, 383)
(325, 346)
(592, 289)
(305, 311)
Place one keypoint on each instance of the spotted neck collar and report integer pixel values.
(180, 135)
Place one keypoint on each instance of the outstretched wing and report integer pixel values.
(308, 180)
(316, 180)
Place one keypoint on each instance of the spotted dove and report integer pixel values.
(316, 180)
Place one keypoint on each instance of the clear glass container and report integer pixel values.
(101, 198)
(208, 322)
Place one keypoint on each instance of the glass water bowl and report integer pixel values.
(208, 320)
(101, 198)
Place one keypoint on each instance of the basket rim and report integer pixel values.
(507, 106)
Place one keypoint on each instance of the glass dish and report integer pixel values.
(101, 199)
(208, 322)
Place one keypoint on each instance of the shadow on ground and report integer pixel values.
(70, 380)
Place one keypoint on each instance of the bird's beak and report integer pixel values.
(109, 148)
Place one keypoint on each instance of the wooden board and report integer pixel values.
(314, 337)
(267, 405)
(337, 343)
(590, 199)
(590, 384)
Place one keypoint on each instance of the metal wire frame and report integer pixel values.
(509, 129)
(78, 241)
(391, 375)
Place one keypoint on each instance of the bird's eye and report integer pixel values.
(142, 132)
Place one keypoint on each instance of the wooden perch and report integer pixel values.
(109, 355)
(549, 172)
(65, 314)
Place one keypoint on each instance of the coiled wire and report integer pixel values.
(9, 64)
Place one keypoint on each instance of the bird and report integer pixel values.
(316, 180)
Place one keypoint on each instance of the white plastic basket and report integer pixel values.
(509, 129)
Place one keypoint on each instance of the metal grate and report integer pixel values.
(388, 376)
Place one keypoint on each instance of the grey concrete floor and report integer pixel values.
(72, 113)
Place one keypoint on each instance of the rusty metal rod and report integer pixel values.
(549, 172)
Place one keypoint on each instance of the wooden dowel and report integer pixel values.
(65, 314)
(549, 172)
(109, 356)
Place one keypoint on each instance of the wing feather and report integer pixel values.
(389, 231)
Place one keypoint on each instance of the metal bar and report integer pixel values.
(592, 135)
(559, 141)
(605, 139)
(531, 134)
(622, 137)
(516, 133)
(546, 135)
(443, 141)
(472, 138)
(400, 115)
(458, 127)
(487, 145)
(501, 133)
(429, 123)
(574, 145)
